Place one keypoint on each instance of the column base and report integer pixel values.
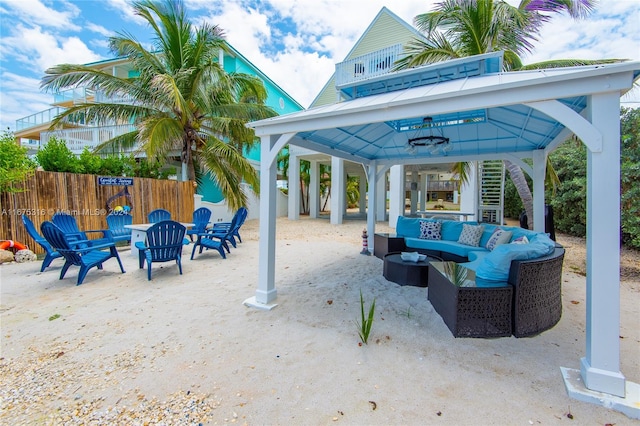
(253, 303)
(628, 405)
(610, 382)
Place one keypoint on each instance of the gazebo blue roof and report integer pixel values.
(486, 115)
(482, 111)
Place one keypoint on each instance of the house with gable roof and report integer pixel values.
(33, 131)
(372, 57)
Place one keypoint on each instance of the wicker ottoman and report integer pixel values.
(467, 310)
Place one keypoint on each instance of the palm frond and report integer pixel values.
(563, 63)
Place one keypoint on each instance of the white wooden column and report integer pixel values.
(414, 193)
(314, 189)
(370, 178)
(294, 187)
(381, 195)
(469, 193)
(539, 171)
(396, 194)
(600, 368)
(266, 292)
(424, 180)
(362, 189)
(337, 190)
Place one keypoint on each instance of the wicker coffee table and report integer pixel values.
(467, 310)
(407, 273)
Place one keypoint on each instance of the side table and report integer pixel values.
(384, 243)
(406, 273)
(467, 310)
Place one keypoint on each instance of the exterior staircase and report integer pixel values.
(491, 191)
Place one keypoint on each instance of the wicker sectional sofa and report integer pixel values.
(533, 268)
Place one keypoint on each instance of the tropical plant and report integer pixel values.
(353, 191)
(570, 202)
(15, 165)
(630, 176)
(282, 161)
(365, 323)
(461, 28)
(181, 101)
(55, 156)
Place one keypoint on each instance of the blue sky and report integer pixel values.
(295, 42)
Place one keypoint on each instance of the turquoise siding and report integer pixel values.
(209, 190)
(277, 99)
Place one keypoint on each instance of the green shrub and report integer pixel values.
(512, 202)
(55, 156)
(570, 202)
(630, 176)
(90, 163)
(15, 165)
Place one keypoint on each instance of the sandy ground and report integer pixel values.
(183, 349)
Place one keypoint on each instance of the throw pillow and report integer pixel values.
(521, 240)
(430, 230)
(499, 236)
(470, 235)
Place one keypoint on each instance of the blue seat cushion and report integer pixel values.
(452, 247)
(475, 259)
(451, 230)
(408, 226)
(495, 265)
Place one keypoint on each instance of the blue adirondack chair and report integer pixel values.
(217, 239)
(158, 215)
(51, 253)
(221, 228)
(201, 218)
(67, 224)
(79, 253)
(116, 223)
(164, 244)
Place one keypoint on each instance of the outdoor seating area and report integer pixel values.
(185, 320)
(116, 223)
(508, 280)
(163, 243)
(150, 243)
(86, 254)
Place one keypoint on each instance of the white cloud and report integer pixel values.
(35, 12)
(328, 26)
(124, 10)
(99, 29)
(42, 50)
(21, 96)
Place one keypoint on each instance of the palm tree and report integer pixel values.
(182, 100)
(461, 28)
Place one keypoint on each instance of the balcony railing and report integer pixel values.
(38, 118)
(89, 137)
(77, 95)
(102, 98)
(367, 66)
(442, 185)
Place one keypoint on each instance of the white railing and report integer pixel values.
(77, 95)
(38, 118)
(367, 66)
(89, 137)
(102, 98)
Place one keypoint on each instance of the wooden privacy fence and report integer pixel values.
(85, 198)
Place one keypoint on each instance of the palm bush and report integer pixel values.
(181, 101)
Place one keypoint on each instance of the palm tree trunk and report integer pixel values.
(302, 197)
(520, 182)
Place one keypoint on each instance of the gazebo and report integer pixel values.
(477, 112)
